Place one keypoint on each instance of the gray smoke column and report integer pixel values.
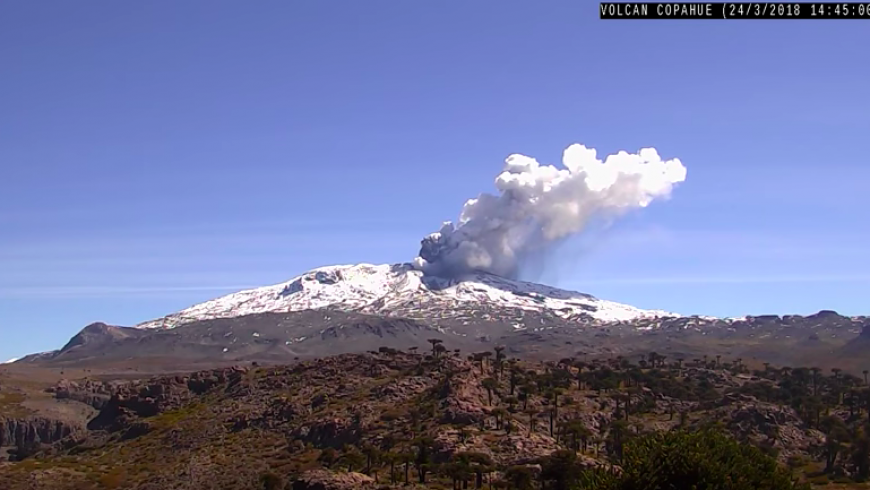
(537, 205)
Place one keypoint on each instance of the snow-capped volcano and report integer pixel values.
(402, 291)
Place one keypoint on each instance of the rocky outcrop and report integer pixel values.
(826, 315)
(402, 389)
(336, 433)
(138, 400)
(92, 393)
(325, 480)
(463, 399)
(34, 431)
(767, 424)
(510, 450)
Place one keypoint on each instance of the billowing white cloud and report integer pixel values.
(540, 204)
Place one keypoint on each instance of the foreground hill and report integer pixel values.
(424, 417)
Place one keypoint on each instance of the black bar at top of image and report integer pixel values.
(776, 10)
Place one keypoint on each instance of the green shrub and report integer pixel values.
(706, 460)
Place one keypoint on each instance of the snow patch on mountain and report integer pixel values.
(401, 290)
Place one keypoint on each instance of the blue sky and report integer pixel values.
(158, 154)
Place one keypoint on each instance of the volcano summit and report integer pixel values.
(471, 268)
(402, 291)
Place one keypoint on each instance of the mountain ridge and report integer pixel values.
(400, 290)
(356, 308)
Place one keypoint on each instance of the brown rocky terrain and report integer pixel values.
(391, 413)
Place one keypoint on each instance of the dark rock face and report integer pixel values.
(135, 401)
(32, 431)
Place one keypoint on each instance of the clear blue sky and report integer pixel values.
(158, 154)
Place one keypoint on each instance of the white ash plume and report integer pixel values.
(538, 205)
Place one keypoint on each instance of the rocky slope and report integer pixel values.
(233, 427)
(33, 431)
